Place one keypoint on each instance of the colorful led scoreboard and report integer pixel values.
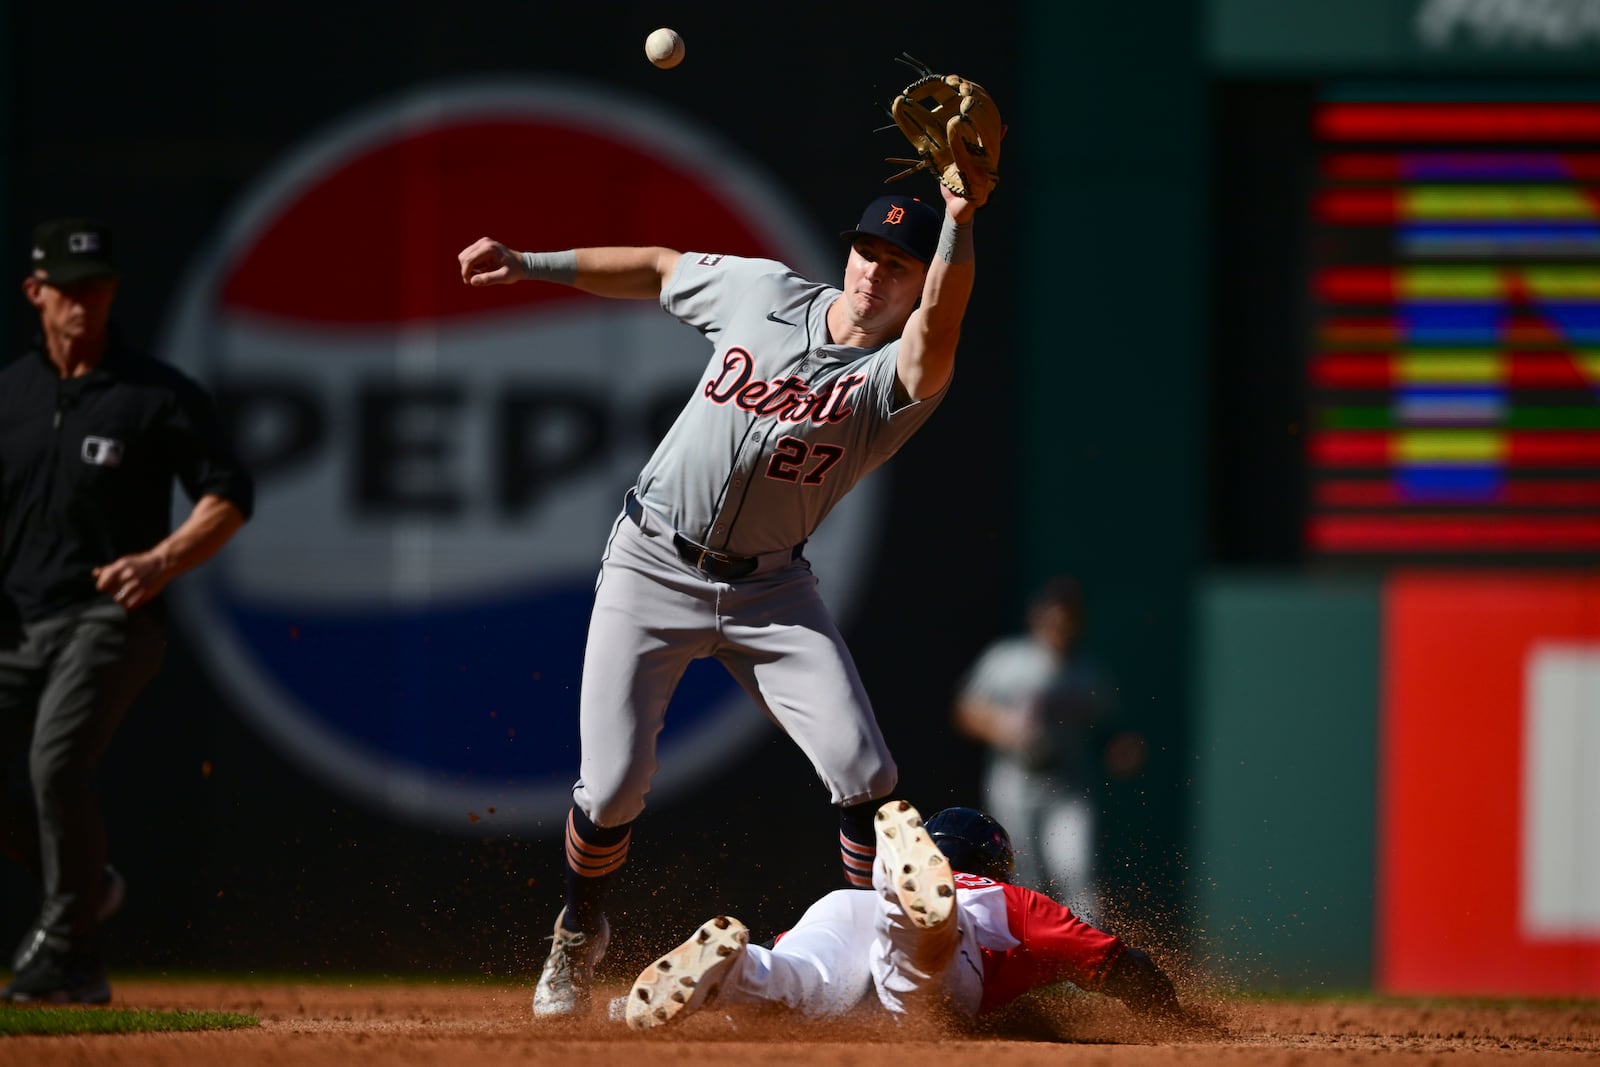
(1453, 379)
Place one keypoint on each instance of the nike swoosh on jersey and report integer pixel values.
(772, 316)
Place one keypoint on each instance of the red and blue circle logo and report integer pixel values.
(438, 466)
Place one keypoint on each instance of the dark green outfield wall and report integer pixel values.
(1109, 160)
(1285, 747)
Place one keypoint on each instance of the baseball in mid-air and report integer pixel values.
(664, 47)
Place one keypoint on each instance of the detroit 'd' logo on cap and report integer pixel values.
(439, 466)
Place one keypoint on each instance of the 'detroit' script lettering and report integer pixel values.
(788, 398)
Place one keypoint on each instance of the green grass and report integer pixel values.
(16, 1021)
(341, 979)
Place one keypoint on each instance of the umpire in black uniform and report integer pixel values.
(92, 435)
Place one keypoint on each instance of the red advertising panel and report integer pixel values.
(1489, 813)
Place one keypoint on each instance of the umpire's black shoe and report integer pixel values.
(53, 977)
(116, 891)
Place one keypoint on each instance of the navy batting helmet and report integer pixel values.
(972, 842)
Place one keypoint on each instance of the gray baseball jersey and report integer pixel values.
(784, 424)
(779, 428)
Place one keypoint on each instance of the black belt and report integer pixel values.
(709, 561)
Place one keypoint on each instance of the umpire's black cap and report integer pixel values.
(72, 250)
(903, 221)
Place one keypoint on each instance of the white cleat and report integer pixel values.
(689, 977)
(914, 866)
(566, 985)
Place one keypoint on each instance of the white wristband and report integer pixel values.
(551, 266)
(955, 241)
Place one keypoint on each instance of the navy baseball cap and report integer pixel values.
(72, 250)
(903, 221)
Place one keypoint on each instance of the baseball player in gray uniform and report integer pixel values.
(809, 386)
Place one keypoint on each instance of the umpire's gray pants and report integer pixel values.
(65, 684)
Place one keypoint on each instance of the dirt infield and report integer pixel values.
(349, 1026)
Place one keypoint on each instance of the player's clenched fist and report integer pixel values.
(488, 262)
(133, 580)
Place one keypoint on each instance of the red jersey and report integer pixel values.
(1029, 940)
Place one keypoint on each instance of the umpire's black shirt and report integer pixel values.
(86, 471)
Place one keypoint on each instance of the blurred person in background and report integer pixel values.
(1043, 710)
(92, 436)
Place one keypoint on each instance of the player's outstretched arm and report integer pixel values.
(630, 273)
(626, 273)
(928, 345)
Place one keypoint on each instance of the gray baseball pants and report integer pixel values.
(65, 684)
(654, 614)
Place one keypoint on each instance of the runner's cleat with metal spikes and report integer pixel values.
(913, 866)
(689, 977)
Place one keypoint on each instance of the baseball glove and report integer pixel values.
(956, 130)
